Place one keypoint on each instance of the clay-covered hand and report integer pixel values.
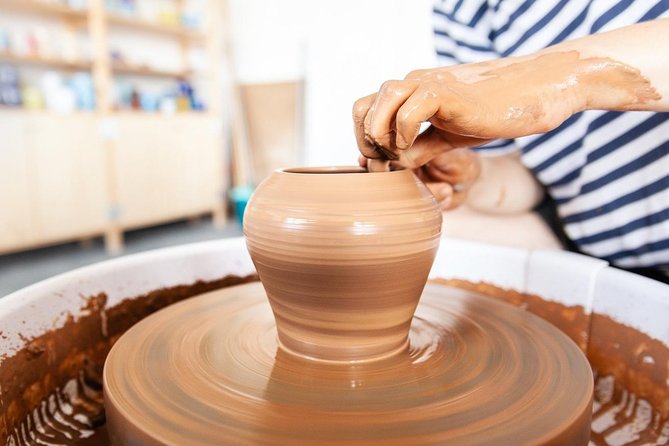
(449, 175)
(466, 105)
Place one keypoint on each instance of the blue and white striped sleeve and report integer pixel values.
(461, 31)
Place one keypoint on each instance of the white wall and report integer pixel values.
(344, 50)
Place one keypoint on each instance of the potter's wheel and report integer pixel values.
(477, 372)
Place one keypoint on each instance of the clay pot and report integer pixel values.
(343, 255)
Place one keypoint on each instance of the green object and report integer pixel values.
(240, 196)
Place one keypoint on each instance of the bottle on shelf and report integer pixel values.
(10, 94)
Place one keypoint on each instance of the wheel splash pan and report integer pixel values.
(55, 335)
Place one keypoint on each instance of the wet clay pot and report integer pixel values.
(343, 256)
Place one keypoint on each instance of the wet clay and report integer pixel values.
(471, 104)
(476, 372)
(620, 416)
(51, 390)
(343, 255)
(638, 363)
(631, 404)
(571, 320)
(613, 344)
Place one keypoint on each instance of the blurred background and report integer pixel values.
(128, 125)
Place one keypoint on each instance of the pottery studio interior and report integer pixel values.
(298, 222)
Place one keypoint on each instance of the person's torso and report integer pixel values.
(608, 172)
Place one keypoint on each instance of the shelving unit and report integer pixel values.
(144, 25)
(149, 72)
(86, 174)
(51, 62)
(44, 9)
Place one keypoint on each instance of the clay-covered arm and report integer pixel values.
(471, 104)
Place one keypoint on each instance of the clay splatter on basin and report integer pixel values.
(43, 394)
(51, 390)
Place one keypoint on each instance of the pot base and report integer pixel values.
(476, 371)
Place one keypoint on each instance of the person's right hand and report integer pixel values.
(467, 105)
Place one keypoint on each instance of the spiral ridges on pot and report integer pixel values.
(343, 258)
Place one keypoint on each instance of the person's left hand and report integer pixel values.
(448, 176)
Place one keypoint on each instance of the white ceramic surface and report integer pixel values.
(481, 262)
(563, 277)
(635, 301)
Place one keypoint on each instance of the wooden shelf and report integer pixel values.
(5, 109)
(158, 114)
(155, 27)
(148, 71)
(44, 8)
(44, 61)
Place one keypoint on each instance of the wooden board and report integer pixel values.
(16, 224)
(69, 196)
(274, 121)
(167, 167)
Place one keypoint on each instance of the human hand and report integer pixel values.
(466, 105)
(449, 176)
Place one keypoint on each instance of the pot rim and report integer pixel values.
(339, 170)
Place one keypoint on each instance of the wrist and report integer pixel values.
(567, 84)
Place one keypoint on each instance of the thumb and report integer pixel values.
(432, 143)
(426, 146)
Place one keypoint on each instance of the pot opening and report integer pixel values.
(330, 170)
(326, 170)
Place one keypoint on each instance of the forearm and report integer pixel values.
(624, 69)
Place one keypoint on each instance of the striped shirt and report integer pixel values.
(608, 172)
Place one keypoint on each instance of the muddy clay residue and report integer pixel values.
(51, 390)
(51, 393)
(571, 320)
(638, 363)
(631, 401)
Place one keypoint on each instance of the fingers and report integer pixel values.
(374, 119)
(422, 105)
(380, 121)
(458, 198)
(443, 193)
(360, 110)
(458, 187)
(458, 166)
(447, 197)
(378, 165)
(387, 124)
(373, 165)
(380, 151)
